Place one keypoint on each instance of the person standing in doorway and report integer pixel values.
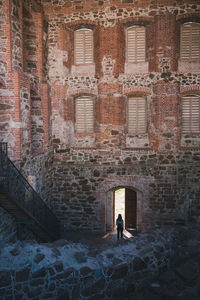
(120, 226)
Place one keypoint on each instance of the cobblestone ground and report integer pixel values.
(182, 280)
(171, 252)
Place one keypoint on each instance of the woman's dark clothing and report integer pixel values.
(120, 227)
(119, 232)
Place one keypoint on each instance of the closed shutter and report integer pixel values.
(191, 113)
(84, 114)
(137, 115)
(136, 44)
(190, 41)
(83, 44)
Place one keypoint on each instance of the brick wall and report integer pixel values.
(22, 72)
(110, 150)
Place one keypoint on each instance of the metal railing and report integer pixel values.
(4, 148)
(16, 187)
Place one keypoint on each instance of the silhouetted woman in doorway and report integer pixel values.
(120, 226)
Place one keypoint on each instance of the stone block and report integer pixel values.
(80, 257)
(37, 282)
(188, 272)
(58, 266)
(84, 271)
(34, 292)
(23, 275)
(138, 264)
(39, 273)
(39, 257)
(76, 292)
(119, 271)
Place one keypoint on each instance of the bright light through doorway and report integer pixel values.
(120, 203)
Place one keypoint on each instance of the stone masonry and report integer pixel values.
(76, 173)
(160, 264)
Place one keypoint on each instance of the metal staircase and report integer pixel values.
(21, 200)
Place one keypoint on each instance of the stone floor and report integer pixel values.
(180, 282)
(100, 241)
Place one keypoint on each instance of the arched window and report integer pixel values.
(190, 41)
(83, 46)
(137, 117)
(190, 121)
(136, 44)
(84, 114)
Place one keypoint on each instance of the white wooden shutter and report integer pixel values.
(191, 113)
(137, 115)
(136, 44)
(190, 41)
(83, 46)
(88, 46)
(84, 114)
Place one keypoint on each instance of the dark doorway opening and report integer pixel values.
(125, 203)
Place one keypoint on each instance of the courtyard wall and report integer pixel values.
(76, 173)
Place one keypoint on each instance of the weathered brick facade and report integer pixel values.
(39, 83)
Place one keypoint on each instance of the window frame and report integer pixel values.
(136, 60)
(191, 111)
(137, 130)
(76, 56)
(190, 44)
(85, 119)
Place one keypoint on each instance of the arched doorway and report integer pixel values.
(125, 203)
(140, 185)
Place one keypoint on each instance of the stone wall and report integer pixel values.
(37, 171)
(69, 271)
(8, 227)
(11, 231)
(161, 164)
(166, 181)
(22, 48)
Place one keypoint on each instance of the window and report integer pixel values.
(190, 41)
(84, 114)
(191, 113)
(83, 46)
(136, 44)
(137, 115)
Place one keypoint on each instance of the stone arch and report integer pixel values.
(138, 90)
(131, 208)
(192, 89)
(187, 17)
(82, 91)
(110, 221)
(140, 184)
(136, 20)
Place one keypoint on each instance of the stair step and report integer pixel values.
(21, 215)
(23, 202)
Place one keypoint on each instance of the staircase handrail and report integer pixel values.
(16, 187)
